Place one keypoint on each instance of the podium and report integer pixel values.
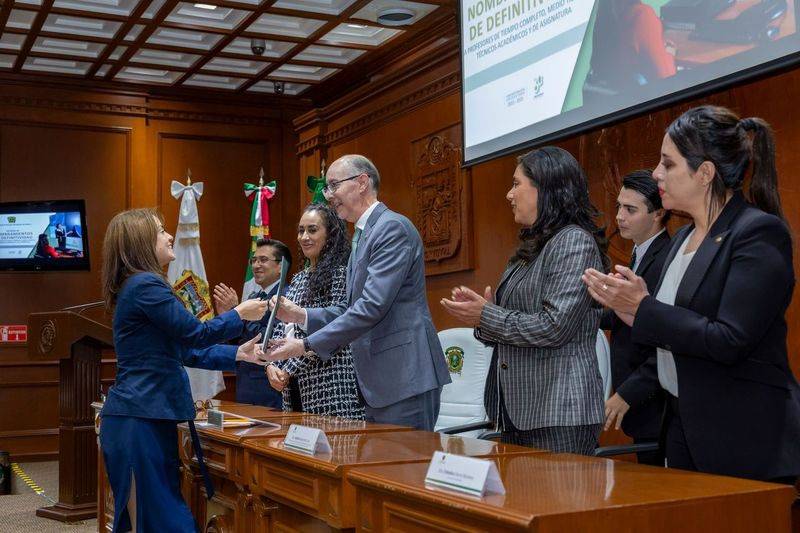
(76, 342)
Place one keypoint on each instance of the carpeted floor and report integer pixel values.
(18, 510)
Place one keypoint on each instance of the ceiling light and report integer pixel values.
(205, 6)
(395, 16)
(356, 26)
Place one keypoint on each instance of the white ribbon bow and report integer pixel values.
(177, 188)
(188, 213)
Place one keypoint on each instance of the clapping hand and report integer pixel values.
(467, 305)
(225, 298)
(621, 291)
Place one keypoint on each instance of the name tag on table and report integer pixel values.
(475, 477)
(306, 439)
(217, 420)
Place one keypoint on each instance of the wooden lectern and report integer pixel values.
(76, 342)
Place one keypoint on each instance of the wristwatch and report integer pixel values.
(306, 345)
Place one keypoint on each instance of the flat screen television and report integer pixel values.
(48, 235)
(534, 71)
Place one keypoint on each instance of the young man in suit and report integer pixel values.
(252, 385)
(399, 363)
(638, 401)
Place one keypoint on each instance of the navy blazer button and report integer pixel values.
(503, 366)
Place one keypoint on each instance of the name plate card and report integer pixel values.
(216, 418)
(221, 419)
(306, 440)
(475, 477)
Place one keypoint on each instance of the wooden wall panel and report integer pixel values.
(62, 161)
(222, 164)
(120, 151)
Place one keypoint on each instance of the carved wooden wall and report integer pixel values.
(117, 152)
(442, 201)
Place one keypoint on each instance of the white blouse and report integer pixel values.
(667, 374)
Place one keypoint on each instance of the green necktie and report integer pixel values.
(354, 242)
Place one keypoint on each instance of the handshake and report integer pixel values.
(275, 349)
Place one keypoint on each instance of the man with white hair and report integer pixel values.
(400, 366)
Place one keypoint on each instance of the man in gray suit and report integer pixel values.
(399, 363)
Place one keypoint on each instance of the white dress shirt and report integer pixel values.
(641, 249)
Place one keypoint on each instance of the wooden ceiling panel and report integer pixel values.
(209, 43)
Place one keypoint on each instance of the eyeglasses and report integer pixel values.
(331, 186)
(262, 260)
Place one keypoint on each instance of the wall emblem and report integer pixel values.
(442, 207)
(47, 336)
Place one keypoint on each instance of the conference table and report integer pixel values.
(373, 479)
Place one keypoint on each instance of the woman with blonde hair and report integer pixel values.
(154, 338)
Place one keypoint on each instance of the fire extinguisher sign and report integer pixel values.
(13, 333)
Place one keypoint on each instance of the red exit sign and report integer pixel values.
(13, 333)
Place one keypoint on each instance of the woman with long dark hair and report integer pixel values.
(44, 249)
(154, 338)
(325, 388)
(544, 387)
(717, 316)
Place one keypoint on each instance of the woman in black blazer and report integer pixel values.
(717, 316)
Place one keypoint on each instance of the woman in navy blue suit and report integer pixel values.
(154, 338)
(717, 316)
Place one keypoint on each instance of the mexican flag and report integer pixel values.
(259, 195)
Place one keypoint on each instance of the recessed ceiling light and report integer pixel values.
(395, 16)
(205, 6)
(356, 26)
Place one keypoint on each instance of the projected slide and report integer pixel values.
(537, 69)
(41, 236)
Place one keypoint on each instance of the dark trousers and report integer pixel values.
(419, 411)
(677, 450)
(252, 386)
(655, 458)
(675, 446)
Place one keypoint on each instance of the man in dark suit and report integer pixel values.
(638, 401)
(252, 385)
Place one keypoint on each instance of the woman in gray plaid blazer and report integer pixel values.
(544, 387)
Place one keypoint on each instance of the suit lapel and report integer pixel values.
(652, 251)
(677, 240)
(506, 273)
(515, 275)
(708, 251)
(273, 291)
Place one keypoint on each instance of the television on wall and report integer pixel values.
(48, 235)
(534, 71)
